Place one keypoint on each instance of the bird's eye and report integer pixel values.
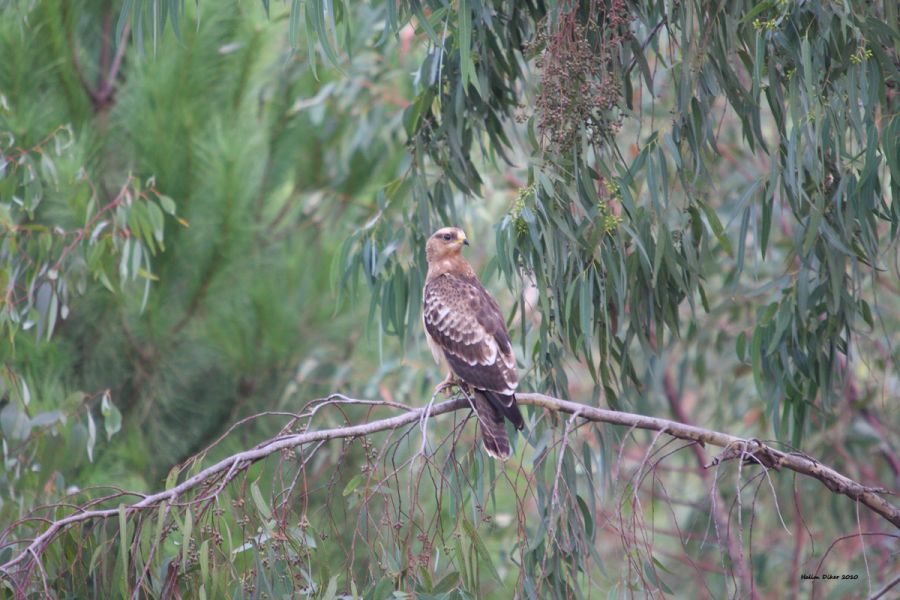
(448, 237)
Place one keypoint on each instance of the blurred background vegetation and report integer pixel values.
(214, 210)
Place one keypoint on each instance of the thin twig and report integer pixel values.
(718, 514)
(881, 593)
(645, 43)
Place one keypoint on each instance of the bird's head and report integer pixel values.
(445, 243)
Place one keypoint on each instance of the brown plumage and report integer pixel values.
(464, 326)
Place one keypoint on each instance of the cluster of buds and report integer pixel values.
(774, 23)
(516, 212)
(580, 89)
(211, 533)
(609, 220)
(424, 557)
(765, 24)
(861, 55)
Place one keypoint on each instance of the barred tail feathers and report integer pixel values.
(493, 426)
(506, 404)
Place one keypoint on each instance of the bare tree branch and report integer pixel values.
(735, 447)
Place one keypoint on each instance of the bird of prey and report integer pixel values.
(464, 326)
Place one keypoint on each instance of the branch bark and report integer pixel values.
(735, 447)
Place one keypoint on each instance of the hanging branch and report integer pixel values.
(218, 475)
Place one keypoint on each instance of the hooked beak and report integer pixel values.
(465, 242)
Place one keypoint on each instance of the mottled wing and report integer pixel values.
(466, 323)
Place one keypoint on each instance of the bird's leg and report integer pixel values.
(449, 382)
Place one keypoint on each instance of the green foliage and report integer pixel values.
(610, 291)
(59, 237)
(153, 274)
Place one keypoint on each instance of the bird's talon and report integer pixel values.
(445, 388)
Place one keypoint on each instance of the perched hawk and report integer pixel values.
(464, 325)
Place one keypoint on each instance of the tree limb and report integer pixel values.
(735, 447)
